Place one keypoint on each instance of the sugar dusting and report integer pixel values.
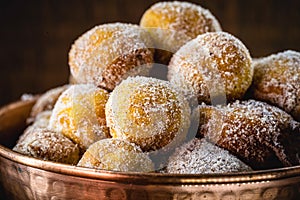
(117, 44)
(212, 65)
(75, 115)
(148, 112)
(277, 81)
(202, 157)
(47, 145)
(177, 22)
(116, 155)
(262, 135)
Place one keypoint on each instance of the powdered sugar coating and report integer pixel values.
(261, 135)
(172, 24)
(116, 155)
(213, 65)
(277, 81)
(47, 145)
(148, 112)
(104, 54)
(199, 156)
(79, 114)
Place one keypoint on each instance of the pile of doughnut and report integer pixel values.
(218, 110)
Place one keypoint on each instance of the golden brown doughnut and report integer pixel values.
(277, 81)
(212, 66)
(148, 112)
(109, 53)
(116, 155)
(79, 114)
(47, 145)
(261, 135)
(172, 24)
(199, 156)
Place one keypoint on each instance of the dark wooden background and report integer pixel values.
(36, 36)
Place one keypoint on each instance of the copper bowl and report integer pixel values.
(24, 177)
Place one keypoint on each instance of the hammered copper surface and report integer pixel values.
(24, 177)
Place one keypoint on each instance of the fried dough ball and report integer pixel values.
(47, 145)
(199, 156)
(79, 114)
(116, 155)
(109, 53)
(172, 24)
(261, 135)
(46, 101)
(277, 81)
(212, 66)
(148, 112)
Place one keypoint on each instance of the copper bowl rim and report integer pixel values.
(145, 178)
